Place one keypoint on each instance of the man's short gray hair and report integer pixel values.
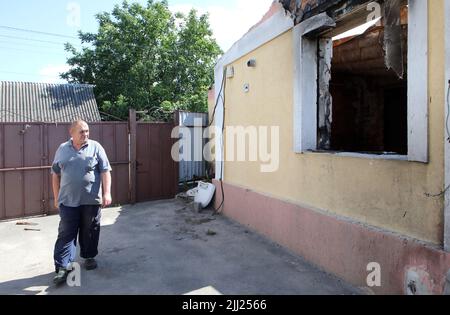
(77, 123)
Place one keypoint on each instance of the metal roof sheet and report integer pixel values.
(42, 102)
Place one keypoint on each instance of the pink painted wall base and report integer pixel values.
(340, 246)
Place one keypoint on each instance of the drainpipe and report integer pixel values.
(447, 284)
(447, 129)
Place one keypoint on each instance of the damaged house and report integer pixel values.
(359, 91)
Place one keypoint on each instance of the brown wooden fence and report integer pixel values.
(143, 168)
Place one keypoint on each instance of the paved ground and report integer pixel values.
(162, 248)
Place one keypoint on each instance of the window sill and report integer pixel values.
(394, 157)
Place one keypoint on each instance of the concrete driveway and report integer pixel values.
(162, 247)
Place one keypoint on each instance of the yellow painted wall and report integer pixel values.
(382, 193)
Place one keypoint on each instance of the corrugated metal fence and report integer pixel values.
(27, 151)
(192, 126)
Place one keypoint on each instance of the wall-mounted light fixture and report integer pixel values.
(251, 63)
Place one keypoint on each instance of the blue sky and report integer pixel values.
(36, 57)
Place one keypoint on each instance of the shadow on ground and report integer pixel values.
(164, 247)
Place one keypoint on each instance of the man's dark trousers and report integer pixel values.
(83, 221)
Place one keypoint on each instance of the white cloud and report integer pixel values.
(230, 21)
(50, 73)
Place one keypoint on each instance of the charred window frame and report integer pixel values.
(402, 131)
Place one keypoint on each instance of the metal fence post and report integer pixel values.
(132, 127)
(176, 165)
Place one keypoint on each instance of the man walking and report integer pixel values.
(81, 181)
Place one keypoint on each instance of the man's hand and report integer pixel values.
(106, 200)
(55, 184)
(106, 184)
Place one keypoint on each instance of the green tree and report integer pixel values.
(146, 58)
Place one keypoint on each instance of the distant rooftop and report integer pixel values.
(42, 102)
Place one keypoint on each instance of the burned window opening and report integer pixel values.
(362, 88)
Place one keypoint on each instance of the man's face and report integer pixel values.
(80, 134)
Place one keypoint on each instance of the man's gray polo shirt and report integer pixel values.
(80, 173)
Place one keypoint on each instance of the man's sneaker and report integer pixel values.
(61, 276)
(90, 264)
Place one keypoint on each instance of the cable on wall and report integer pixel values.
(447, 126)
(220, 95)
